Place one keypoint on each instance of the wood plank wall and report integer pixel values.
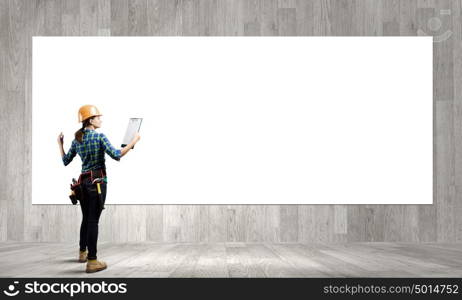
(20, 20)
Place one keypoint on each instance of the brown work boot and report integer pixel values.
(83, 256)
(94, 265)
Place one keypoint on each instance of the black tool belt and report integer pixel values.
(76, 186)
(97, 173)
(93, 174)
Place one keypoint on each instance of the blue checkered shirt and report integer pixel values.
(91, 150)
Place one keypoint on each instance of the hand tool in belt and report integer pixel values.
(98, 185)
(75, 195)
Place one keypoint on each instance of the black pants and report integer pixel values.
(91, 211)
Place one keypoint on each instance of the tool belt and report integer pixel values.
(98, 173)
(76, 186)
(76, 192)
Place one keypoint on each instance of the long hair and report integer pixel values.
(79, 133)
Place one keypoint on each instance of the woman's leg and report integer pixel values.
(83, 225)
(94, 213)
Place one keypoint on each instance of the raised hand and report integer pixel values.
(61, 138)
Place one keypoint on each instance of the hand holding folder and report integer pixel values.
(134, 125)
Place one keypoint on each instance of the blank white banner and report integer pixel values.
(241, 120)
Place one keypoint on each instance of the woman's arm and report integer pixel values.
(66, 158)
(60, 143)
(61, 148)
(114, 152)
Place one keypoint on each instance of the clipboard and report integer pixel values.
(134, 125)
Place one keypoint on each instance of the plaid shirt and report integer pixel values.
(91, 150)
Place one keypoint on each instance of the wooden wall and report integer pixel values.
(20, 20)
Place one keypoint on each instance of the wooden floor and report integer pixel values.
(236, 260)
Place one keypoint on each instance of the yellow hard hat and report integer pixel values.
(88, 111)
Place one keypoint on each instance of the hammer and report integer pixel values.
(98, 185)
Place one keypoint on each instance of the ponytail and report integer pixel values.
(79, 133)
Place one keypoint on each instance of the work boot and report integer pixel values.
(94, 265)
(83, 256)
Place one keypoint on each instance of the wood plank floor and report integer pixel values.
(27, 259)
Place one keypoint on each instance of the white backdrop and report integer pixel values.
(248, 120)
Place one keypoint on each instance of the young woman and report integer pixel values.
(91, 147)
